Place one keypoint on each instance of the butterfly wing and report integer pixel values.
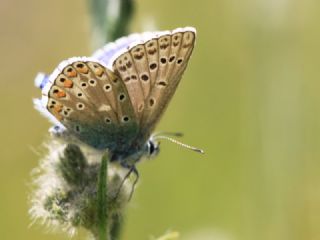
(91, 102)
(151, 71)
(117, 109)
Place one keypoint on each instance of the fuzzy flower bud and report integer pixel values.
(67, 190)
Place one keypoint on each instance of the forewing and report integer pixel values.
(152, 69)
(175, 50)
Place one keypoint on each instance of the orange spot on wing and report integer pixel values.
(72, 73)
(99, 71)
(68, 83)
(57, 108)
(60, 94)
(84, 69)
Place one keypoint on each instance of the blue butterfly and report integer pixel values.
(114, 99)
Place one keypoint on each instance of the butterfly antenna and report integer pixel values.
(174, 134)
(180, 143)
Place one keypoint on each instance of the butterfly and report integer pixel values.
(114, 99)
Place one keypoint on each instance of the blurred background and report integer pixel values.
(250, 98)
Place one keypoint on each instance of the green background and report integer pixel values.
(250, 98)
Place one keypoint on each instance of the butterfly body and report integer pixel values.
(113, 100)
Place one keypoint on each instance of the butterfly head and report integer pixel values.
(152, 148)
(153, 143)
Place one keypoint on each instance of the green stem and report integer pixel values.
(115, 229)
(109, 28)
(102, 199)
(120, 28)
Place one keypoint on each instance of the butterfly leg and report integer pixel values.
(134, 170)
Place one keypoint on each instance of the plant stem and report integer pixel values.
(102, 199)
(120, 28)
(108, 28)
(115, 229)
